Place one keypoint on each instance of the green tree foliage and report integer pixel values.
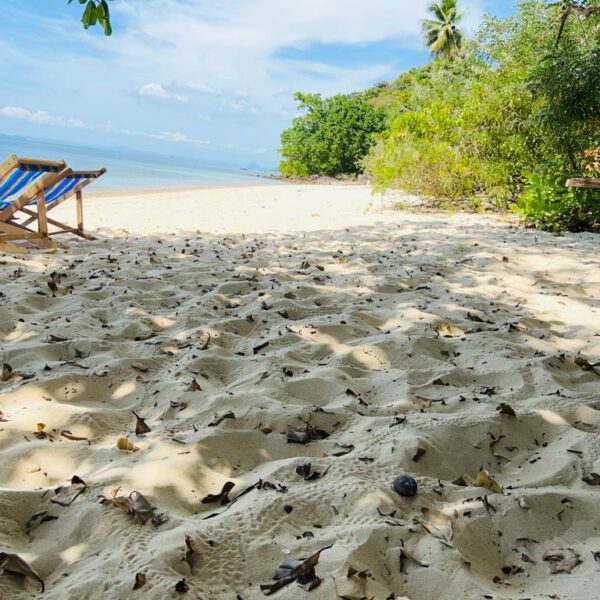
(96, 12)
(509, 121)
(442, 34)
(332, 137)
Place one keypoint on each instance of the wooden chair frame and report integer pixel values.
(10, 229)
(589, 183)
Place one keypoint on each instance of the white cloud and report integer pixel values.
(178, 138)
(172, 65)
(156, 91)
(39, 117)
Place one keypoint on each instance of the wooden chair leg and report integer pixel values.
(79, 204)
(41, 215)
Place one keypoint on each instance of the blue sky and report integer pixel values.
(210, 79)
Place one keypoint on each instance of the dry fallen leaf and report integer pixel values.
(506, 409)
(13, 563)
(420, 452)
(562, 560)
(194, 386)
(181, 587)
(591, 479)
(301, 570)
(39, 432)
(124, 443)
(136, 504)
(191, 552)
(449, 331)
(484, 480)
(140, 581)
(141, 508)
(305, 471)
(436, 523)
(219, 420)
(140, 425)
(222, 497)
(7, 372)
(304, 435)
(405, 557)
(67, 434)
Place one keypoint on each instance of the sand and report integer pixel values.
(223, 317)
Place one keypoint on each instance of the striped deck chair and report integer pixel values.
(21, 180)
(69, 183)
(56, 187)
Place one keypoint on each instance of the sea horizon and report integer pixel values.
(130, 170)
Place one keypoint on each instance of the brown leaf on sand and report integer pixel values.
(219, 420)
(506, 409)
(181, 587)
(343, 450)
(141, 508)
(124, 443)
(39, 433)
(260, 347)
(420, 452)
(222, 497)
(140, 425)
(485, 480)
(562, 560)
(191, 552)
(136, 504)
(74, 438)
(405, 557)
(354, 587)
(80, 489)
(304, 435)
(586, 365)
(305, 471)
(7, 372)
(140, 581)
(194, 386)
(301, 570)
(591, 479)
(449, 331)
(13, 563)
(437, 524)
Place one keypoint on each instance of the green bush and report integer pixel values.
(547, 204)
(515, 103)
(332, 137)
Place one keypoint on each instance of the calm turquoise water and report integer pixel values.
(130, 170)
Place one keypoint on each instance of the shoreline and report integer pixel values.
(263, 180)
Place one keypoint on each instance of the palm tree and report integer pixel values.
(442, 34)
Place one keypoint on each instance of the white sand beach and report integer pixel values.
(236, 320)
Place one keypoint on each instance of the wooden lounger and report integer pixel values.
(51, 188)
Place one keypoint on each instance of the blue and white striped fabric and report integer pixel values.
(62, 188)
(15, 182)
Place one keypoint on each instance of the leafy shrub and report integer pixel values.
(515, 103)
(332, 137)
(547, 204)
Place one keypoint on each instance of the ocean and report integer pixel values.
(129, 170)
